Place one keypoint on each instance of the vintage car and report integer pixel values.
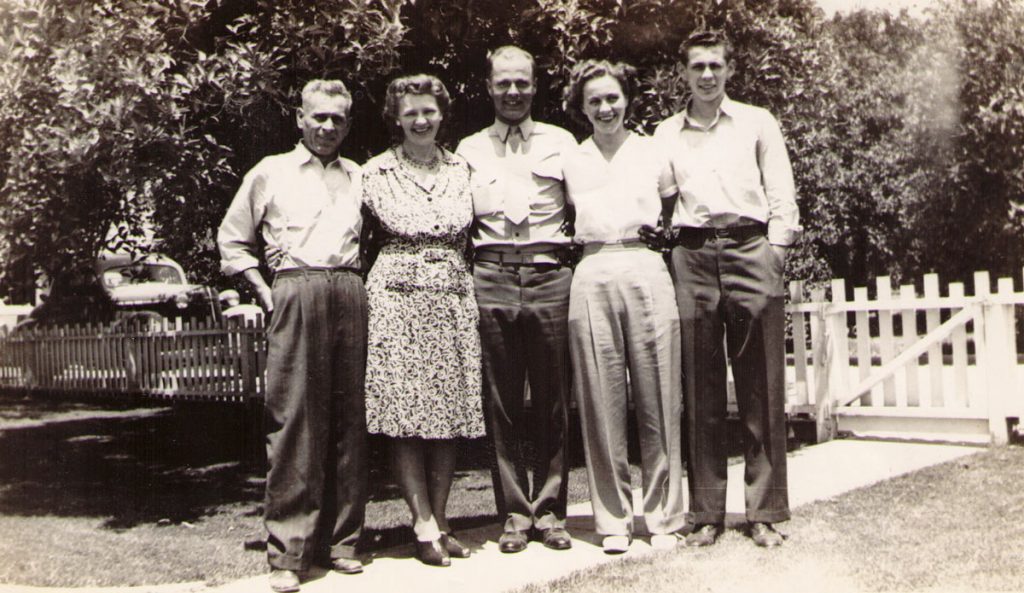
(126, 290)
(113, 307)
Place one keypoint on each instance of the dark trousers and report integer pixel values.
(733, 289)
(524, 325)
(315, 418)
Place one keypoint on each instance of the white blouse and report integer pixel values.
(614, 198)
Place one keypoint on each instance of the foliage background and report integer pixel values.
(906, 133)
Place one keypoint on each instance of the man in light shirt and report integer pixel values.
(303, 207)
(522, 288)
(736, 217)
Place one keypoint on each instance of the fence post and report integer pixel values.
(1011, 399)
(992, 364)
(838, 336)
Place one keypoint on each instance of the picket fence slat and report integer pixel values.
(908, 322)
(959, 348)
(862, 328)
(885, 336)
(933, 396)
(796, 296)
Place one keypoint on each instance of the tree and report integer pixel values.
(84, 111)
(905, 138)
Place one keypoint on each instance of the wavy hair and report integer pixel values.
(416, 84)
(587, 70)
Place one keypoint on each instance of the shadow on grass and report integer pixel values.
(128, 464)
(132, 464)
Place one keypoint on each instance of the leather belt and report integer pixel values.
(501, 257)
(306, 271)
(736, 233)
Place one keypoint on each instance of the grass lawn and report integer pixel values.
(102, 494)
(952, 527)
(98, 494)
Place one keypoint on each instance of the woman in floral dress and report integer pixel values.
(423, 356)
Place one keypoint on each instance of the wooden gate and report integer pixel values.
(906, 364)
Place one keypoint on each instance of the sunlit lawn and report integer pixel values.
(953, 527)
(107, 495)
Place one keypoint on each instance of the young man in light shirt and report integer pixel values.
(735, 218)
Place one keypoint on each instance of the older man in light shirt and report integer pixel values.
(737, 215)
(522, 288)
(304, 207)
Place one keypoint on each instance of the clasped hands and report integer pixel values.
(658, 238)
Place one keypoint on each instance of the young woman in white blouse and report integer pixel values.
(623, 321)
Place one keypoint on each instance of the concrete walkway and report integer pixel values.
(815, 473)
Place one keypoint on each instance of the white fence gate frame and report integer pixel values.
(908, 365)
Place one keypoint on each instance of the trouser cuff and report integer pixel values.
(768, 516)
(549, 521)
(343, 551)
(286, 562)
(706, 517)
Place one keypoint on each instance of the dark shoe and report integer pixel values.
(703, 535)
(556, 538)
(346, 565)
(455, 548)
(765, 535)
(283, 580)
(511, 542)
(432, 553)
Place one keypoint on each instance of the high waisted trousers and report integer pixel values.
(624, 339)
(730, 292)
(315, 418)
(523, 333)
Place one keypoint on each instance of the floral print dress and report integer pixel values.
(423, 354)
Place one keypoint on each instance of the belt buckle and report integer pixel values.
(720, 232)
(434, 254)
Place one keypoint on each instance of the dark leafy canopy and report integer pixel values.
(118, 116)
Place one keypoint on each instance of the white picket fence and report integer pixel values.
(935, 365)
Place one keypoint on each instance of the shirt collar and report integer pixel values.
(303, 156)
(501, 129)
(727, 108)
(590, 147)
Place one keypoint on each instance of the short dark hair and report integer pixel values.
(416, 84)
(707, 38)
(587, 70)
(508, 51)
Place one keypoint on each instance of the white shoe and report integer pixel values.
(664, 541)
(615, 544)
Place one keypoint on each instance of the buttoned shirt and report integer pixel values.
(301, 210)
(734, 171)
(534, 171)
(613, 198)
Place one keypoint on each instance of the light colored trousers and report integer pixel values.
(623, 322)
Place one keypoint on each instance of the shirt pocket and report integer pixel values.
(548, 169)
(487, 197)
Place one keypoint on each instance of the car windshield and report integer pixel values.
(140, 274)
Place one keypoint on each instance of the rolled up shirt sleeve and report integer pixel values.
(777, 178)
(237, 237)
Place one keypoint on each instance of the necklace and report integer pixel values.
(428, 164)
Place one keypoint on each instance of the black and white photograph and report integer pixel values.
(511, 296)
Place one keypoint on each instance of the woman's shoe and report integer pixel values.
(432, 553)
(615, 544)
(453, 546)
